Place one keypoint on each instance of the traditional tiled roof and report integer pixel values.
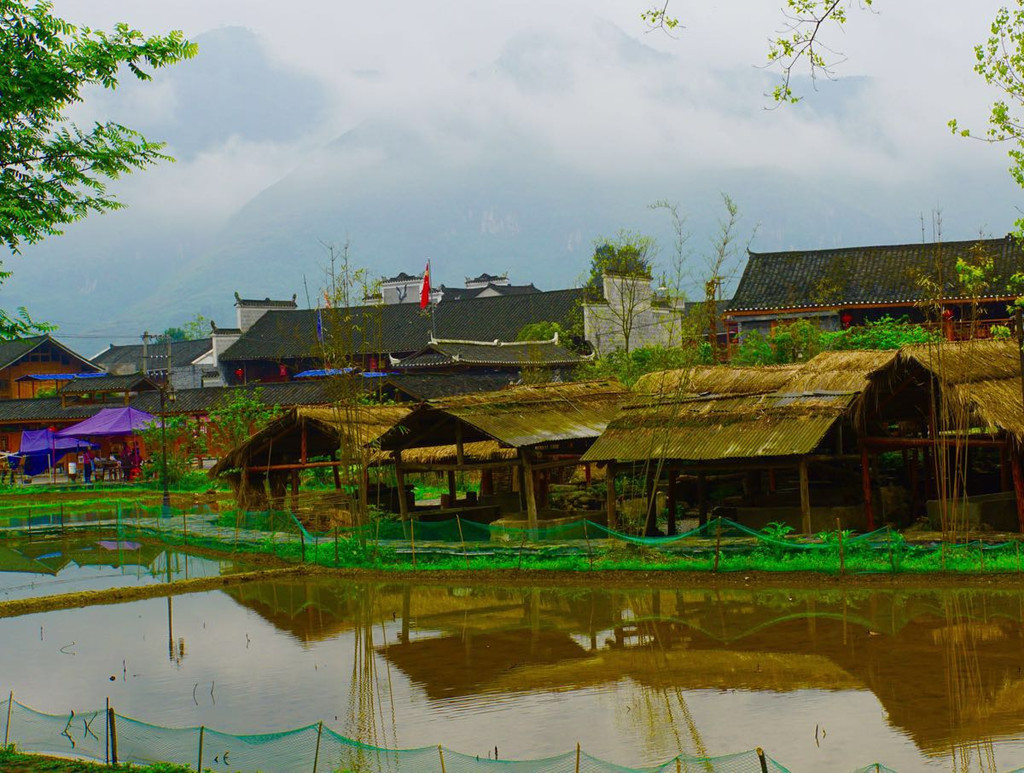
(44, 409)
(182, 353)
(186, 401)
(266, 302)
(398, 329)
(491, 354)
(485, 277)
(893, 274)
(133, 382)
(465, 293)
(402, 277)
(16, 348)
(432, 386)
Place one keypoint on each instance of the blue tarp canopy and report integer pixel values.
(42, 447)
(57, 376)
(111, 421)
(325, 372)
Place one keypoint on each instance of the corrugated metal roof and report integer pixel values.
(720, 427)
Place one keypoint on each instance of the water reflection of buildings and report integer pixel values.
(946, 665)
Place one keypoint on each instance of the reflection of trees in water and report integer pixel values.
(964, 682)
(370, 715)
(656, 708)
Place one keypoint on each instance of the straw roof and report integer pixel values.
(327, 430)
(479, 451)
(720, 427)
(983, 377)
(516, 417)
(716, 379)
(843, 371)
(719, 412)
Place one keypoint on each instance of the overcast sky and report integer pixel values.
(689, 108)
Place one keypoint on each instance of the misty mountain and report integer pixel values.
(564, 137)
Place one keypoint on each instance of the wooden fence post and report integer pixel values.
(7, 727)
(113, 735)
(316, 755)
(202, 734)
(440, 753)
(762, 760)
(458, 522)
(577, 757)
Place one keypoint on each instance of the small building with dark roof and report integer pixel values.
(282, 343)
(37, 356)
(850, 285)
(188, 360)
(248, 310)
(515, 357)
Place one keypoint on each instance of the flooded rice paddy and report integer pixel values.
(45, 567)
(822, 679)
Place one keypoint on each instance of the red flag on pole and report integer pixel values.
(425, 287)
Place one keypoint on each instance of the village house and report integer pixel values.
(405, 288)
(842, 287)
(283, 343)
(29, 366)
(188, 360)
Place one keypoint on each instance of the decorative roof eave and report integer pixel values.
(868, 304)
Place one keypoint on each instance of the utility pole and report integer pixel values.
(145, 351)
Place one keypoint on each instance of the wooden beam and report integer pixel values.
(896, 443)
(610, 495)
(702, 498)
(403, 505)
(671, 500)
(460, 457)
(304, 442)
(865, 472)
(295, 466)
(444, 467)
(549, 465)
(453, 495)
(1018, 487)
(530, 490)
(805, 498)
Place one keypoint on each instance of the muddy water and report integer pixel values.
(44, 567)
(823, 680)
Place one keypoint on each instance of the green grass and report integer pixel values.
(13, 761)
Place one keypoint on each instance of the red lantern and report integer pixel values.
(282, 371)
(947, 314)
(239, 374)
(847, 320)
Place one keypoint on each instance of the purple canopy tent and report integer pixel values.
(110, 422)
(42, 447)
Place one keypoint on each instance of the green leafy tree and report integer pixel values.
(186, 442)
(192, 330)
(239, 414)
(542, 331)
(627, 254)
(53, 172)
(173, 334)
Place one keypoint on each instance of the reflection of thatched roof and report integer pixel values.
(686, 670)
(327, 430)
(983, 377)
(482, 658)
(515, 417)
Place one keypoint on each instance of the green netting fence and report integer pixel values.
(721, 545)
(100, 734)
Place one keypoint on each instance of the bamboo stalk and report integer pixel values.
(458, 522)
(762, 760)
(7, 727)
(316, 755)
(113, 735)
(577, 757)
(202, 736)
(440, 753)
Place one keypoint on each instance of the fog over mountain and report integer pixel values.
(558, 135)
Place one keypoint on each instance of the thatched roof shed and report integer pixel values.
(723, 413)
(326, 431)
(716, 379)
(980, 377)
(515, 417)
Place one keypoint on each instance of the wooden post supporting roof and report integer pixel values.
(460, 457)
(865, 472)
(529, 489)
(671, 501)
(303, 453)
(1018, 485)
(403, 505)
(702, 498)
(805, 498)
(610, 495)
(453, 495)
